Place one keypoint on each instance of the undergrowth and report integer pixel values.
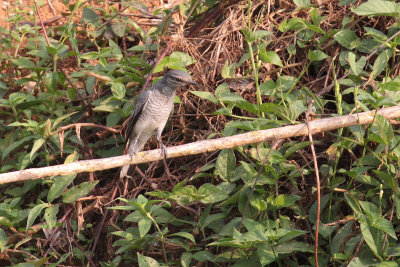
(261, 65)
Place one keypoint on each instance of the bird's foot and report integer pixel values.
(131, 155)
(164, 150)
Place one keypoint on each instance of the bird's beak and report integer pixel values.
(194, 83)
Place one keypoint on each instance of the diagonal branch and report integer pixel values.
(316, 126)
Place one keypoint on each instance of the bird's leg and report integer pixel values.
(164, 151)
(131, 150)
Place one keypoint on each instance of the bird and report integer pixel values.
(151, 111)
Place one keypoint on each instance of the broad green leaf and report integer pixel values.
(356, 66)
(146, 261)
(185, 235)
(177, 60)
(302, 3)
(346, 2)
(211, 193)
(118, 90)
(376, 34)
(60, 184)
(226, 164)
(386, 226)
(24, 63)
(378, 8)
(212, 218)
(78, 191)
(316, 55)
(380, 62)
(373, 237)
(33, 213)
(205, 95)
(203, 256)
(50, 216)
(90, 55)
(294, 246)
(61, 118)
(270, 57)
(260, 34)
(16, 145)
(295, 147)
(118, 28)
(186, 258)
(282, 201)
(36, 146)
(89, 16)
(144, 226)
(266, 254)
(341, 237)
(296, 24)
(347, 38)
(3, 240)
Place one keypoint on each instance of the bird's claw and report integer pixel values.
(131, 155)
(164, 150)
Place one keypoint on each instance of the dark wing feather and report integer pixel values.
(140, 105)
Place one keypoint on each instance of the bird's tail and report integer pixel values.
(132, 149)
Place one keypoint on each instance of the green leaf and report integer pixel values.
(380, 62)
(146, 261)
(205, 95)
(346, 2)
(386, 226)
(270, 57)
(177, 60)
(38, 144)
(118, 28)
(347, 38)
(24, 63)
(89, 16)
(144, 226)
(90, 55)
(373, 238)
(3, 240)
(61, 118)
(260, 34)
(266, 254)
(226, 164)
(50, 216)
(185, 235)
(118, 90)
(60, 184)
(316, 55)
(302, 3)
(211, 193)
(293, 246)
(78, 191)
(282, 201)
(358, 66)
(378, 8)
(33, 213)
(203, 256)
(16, 145)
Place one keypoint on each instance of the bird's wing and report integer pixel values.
(140, 105)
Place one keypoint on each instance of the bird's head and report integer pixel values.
(176, 78)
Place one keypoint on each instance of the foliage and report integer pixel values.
(251, 205)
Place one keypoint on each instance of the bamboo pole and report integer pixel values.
(316, 126)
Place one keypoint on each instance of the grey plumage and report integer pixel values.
(151, 112)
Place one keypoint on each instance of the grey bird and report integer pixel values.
(151, 112)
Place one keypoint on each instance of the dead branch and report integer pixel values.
(316, 126)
